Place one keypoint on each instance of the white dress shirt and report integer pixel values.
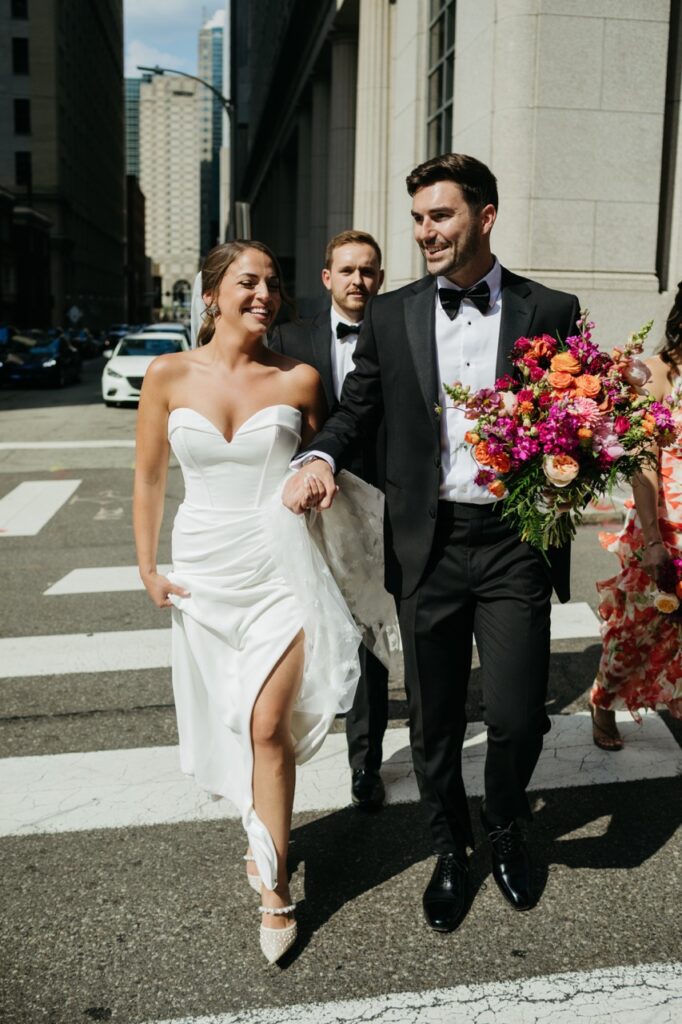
(342, 350)
(466, 350)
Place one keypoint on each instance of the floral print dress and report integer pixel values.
(641, 661)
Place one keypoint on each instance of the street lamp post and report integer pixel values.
(228, 107)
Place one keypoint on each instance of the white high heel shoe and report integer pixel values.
(275, 942)
(253, 880)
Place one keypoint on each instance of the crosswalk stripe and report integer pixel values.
(640, 994)
(144, 786)
(58, 654)
(109, 579)
(8, 446)
(27, 508)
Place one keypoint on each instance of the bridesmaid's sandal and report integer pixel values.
(605, 734)
(254, 880)
(275, 942)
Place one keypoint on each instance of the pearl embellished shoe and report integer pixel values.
(274, 942)
(253, 880)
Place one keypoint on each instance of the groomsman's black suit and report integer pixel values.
(454, 569)
(310, 342)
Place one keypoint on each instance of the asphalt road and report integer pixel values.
(152, 921)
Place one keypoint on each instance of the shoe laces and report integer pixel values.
(449, 868)
(506, 840)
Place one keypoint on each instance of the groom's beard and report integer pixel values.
(460, 254)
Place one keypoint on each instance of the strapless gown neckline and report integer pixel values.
(242, 426)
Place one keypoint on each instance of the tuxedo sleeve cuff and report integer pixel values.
(301, 460)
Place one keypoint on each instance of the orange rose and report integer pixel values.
(587, 385)
(481, 454)
(648, 424)
(500, 463)
(560, 380)
(564, 362)
(497, 488)
(584, 433)
(472, 438)
(539, 348)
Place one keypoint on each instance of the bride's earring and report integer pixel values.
(212, 310)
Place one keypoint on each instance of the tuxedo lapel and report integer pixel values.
(518, 310)
(420, 323)
(321, 340)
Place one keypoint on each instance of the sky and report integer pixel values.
(164, 32)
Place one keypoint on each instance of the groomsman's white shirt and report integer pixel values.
(342, 352)
(466, 349)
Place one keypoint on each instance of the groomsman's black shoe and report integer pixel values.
(446, 897)
(511, 864)
(367, 790)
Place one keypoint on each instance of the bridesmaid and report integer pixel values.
(641, 661)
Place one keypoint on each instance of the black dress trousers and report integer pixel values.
(481, 581)
(368, 717)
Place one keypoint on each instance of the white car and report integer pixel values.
(127, 364)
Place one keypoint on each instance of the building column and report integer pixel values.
(319, 163)
(308, 262)
(341, 129)
(372, 122)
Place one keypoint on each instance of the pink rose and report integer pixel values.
(621, 425)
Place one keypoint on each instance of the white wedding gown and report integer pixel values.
(255, 579)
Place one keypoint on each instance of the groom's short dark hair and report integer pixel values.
(477, 182)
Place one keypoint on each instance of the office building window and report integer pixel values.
(20, 56)
(19, 9)
(441, 76)
(22, 117)
(23, 175)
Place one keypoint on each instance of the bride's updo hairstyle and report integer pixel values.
(213, 271)
(671, 352)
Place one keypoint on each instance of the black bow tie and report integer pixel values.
(451, 298)
(344, 329)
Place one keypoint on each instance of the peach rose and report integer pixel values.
(560, 380)
(471, 437)
(587, 385)
(497, 488)
(565, 362)
(501, 463)
(481, 454)
(560, 470)
(665, 603)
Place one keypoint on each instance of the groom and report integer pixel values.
(456, 569)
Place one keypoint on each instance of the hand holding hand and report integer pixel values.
(313, 486)
(158, 588)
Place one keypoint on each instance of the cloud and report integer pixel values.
(138, 52)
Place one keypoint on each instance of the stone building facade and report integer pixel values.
(574, 104)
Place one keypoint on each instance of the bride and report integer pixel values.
(264, 649)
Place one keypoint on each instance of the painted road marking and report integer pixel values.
(8, 446)
(117, 651)
(107, 580)
(27, 508)
(144, 786)
(640, 994)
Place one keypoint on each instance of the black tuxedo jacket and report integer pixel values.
(310, 341)
(395, 377)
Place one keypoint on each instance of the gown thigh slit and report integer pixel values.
(255, 581)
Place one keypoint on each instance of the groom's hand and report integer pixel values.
(313, 486)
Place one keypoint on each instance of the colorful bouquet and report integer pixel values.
(566, 427)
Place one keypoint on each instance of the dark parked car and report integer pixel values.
(41, 360)
(87, 344)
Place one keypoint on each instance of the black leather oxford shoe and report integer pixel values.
(446, 897)
(367, 790)
(511, 864)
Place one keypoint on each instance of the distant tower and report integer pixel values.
(169, 177)
(211, 42)
(132, 113)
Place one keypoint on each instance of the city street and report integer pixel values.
(123, 886)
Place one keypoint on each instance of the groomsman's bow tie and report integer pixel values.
(451, 298)
(344, 329)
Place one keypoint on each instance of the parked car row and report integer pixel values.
(53, 356)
